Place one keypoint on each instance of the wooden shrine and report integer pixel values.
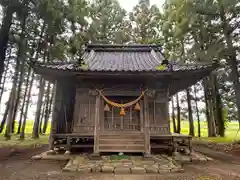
(117, 99)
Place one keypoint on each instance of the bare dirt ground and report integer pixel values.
(19, 166)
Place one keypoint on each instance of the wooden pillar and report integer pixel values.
(54, 115)
(101, 115)
(97, 125)
(141, 116)
(167, 109)
(146, 127)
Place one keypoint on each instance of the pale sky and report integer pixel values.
(129, 4)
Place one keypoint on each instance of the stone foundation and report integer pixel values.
(134, 165)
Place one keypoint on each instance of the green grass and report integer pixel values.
(119, 157)
(230, 133)
(28, 140)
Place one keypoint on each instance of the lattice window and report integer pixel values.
(113, 120)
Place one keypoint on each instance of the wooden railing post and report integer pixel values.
(97, 125)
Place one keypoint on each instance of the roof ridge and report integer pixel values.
(123, 47)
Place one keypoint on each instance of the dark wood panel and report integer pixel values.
(84, 113)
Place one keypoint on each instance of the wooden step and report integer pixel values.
(120, 141)
(121, 136)
(121, 145)
(121, 148)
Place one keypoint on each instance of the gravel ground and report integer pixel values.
(18, 166)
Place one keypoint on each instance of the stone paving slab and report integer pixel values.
(122, 170)
(138, 170)
(152, 168)
(51, 156)
(107, 169)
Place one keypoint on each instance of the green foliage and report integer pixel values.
(145, 22)
(83, 66)
(161, 67)
(188, 30)
(108, 24)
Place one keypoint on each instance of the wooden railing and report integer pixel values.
(159, 129)
(119, 127)
(83, 129)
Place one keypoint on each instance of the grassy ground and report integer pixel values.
(28, 140)
(231, 132)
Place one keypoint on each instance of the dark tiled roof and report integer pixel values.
(75, 67)
(120, 58)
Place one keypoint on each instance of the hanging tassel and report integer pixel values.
(122, 112)
(137, 107)
(106, 108)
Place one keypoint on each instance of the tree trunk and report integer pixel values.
(5, 115)
(218, 110)
(24, 100)
(209, 110)
(8, 131)
(232, 61)
(21, 58)
(47, 108)
(2, 124)
(36, 125)
(4, 35)
(178, 115)
(12, 99)
(173, 117)
(197, 112)
(4, 77)
(22, 134)
(212, 121)
(207, 106)
(190, 116)
(42, 114)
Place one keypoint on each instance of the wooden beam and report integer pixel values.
(97, 125)
(167, 109)
(146, 127)
(122, 93)
(141, 115)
